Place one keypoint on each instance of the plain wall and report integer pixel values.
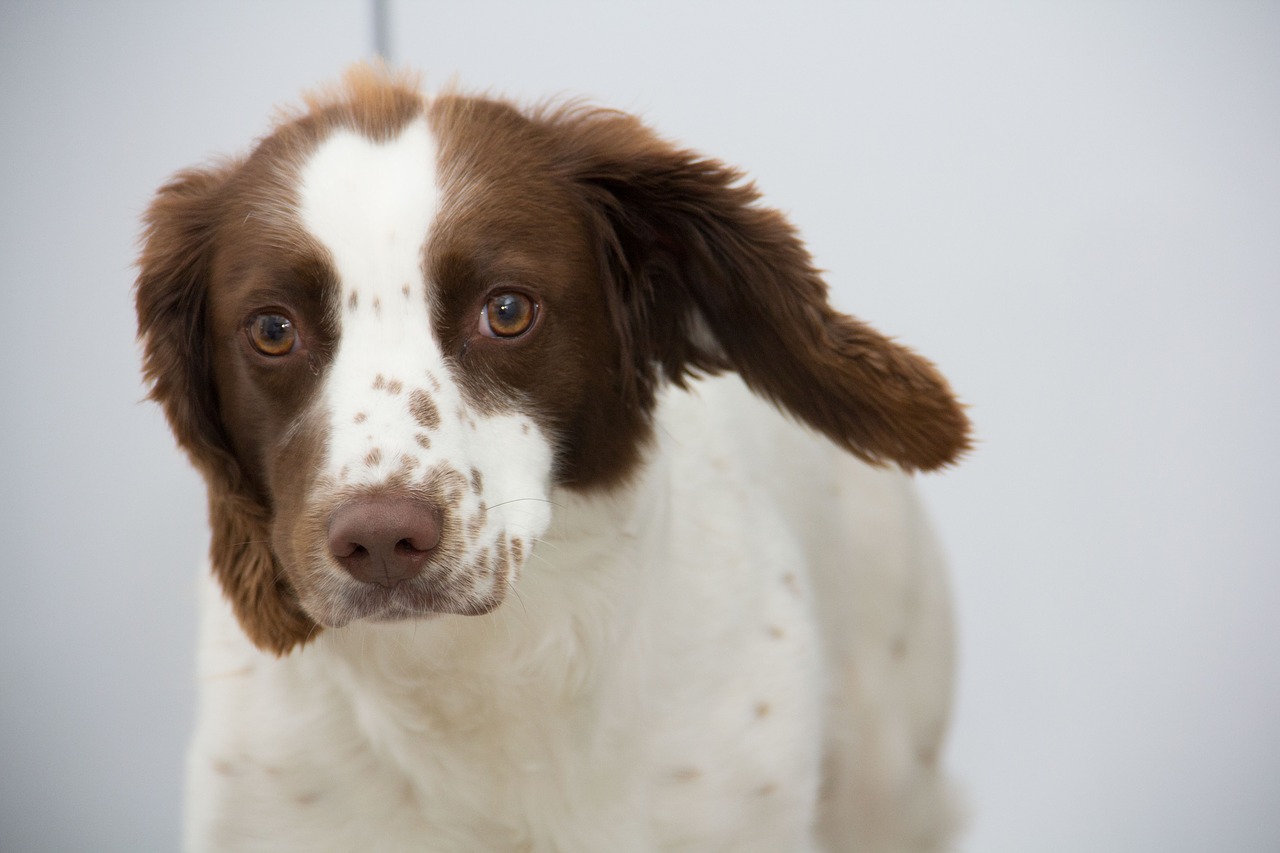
(1074, 210)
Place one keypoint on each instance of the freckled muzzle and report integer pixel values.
(408, 547)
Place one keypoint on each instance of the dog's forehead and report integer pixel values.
(370, 203)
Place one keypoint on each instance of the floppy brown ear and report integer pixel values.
(171, 301)
(689, 251)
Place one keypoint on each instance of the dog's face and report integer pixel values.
(387, 333)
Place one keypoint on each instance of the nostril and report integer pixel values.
(384, 540)
(408, 546)
(343, 550)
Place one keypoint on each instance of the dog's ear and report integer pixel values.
(173, 327)
(703, 278)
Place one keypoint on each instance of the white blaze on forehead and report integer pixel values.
(371, 204)
(392, 402)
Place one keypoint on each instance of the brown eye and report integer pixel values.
(507, 315)
(272, 334)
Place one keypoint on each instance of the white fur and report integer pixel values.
(660, 683)
(687, 664)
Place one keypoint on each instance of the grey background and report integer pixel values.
(1073, 208)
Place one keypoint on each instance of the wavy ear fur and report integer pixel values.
(688, 249)
(171, 300)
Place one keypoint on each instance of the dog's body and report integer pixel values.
(493, 571)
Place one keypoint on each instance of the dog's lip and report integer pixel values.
(403, 603)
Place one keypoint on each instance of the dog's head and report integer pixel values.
(386, 334)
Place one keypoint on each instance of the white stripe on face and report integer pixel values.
(396, 415)
(371, 205)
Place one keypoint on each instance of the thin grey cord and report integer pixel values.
(382, 29)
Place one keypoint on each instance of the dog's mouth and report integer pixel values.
(457, 594)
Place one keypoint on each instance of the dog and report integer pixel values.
(552, 506)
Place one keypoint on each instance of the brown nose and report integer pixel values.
(384, 540)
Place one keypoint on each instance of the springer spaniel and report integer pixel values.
(507, 551)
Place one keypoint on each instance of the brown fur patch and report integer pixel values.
(219, 242)
(424, 410)
(650, 244)
(682, 235)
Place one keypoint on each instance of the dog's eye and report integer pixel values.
(507, 315)
(273, 334)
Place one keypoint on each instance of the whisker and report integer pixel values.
(519, 500)
(545, 543)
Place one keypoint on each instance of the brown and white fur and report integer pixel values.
(506, 554)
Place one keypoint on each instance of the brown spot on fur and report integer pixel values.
(775, 632)
(517, 550)
(502, 557)
(478, 521)
(361, 417)
(477, 481)
(377, 305)
(394, 387)
(379, 382)
(372, 458)
(424, 440)
(792, 583)
(308, 798)
(404, 289)
(352, 301)
(762, 709)
(435, 383)
(424, 411)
